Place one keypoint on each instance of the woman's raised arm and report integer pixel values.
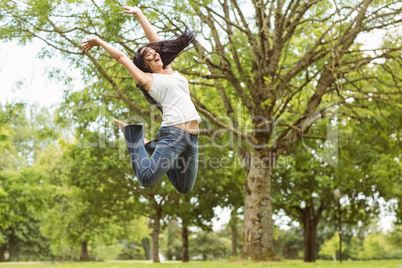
(139, 76)
(146, 26)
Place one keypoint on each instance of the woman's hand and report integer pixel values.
(90, 43)
(131, 10)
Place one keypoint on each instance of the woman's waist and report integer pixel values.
(189, 126)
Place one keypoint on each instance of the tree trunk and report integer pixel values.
(146, 246)
(84, 251)
(310, 218)
(155, 234)
(2, 252)
(184, 236)
(13, 250)
(310, 228)
(233, 226)
(257, 226)
(169, 253)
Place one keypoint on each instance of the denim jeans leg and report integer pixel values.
(151, 146)
(133, 134)
(150, 170)
(184, 171)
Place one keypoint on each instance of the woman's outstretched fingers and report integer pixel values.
(131, 10)
(90, 43)
(85, 46)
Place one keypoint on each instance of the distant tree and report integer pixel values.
(232, 232)
(209, 245)
(330, 248)
(289, 243)
(171, 240)
(94, 200)
(378, 245)
(135, 232)
(395, 237)
(25, 134)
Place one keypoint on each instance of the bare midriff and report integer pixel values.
(189, 126)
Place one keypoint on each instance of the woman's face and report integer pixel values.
(152, 59)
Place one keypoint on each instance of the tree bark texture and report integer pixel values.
(84, 251)
(184, 237)
(155, 234)
(2, 252)
(257, 225)
(233, 227)
(310, 228)
(310, 218)
(234, 236)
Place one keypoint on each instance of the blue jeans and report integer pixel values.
(174, 152)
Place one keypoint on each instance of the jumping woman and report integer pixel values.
(175, 150)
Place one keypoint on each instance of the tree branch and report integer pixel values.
(120, 93)
(200, 107)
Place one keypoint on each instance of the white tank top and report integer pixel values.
(173, 93)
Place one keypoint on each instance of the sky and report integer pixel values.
(24, 78)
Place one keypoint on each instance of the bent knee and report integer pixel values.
(146, 184)
(186, 190)
(146, 180)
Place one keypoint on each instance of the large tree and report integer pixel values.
(264, 55)
(25, 137)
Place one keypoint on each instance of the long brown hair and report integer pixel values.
(168, 50)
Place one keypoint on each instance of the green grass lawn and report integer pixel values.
(212, 264)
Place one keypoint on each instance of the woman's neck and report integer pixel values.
(163, 71)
